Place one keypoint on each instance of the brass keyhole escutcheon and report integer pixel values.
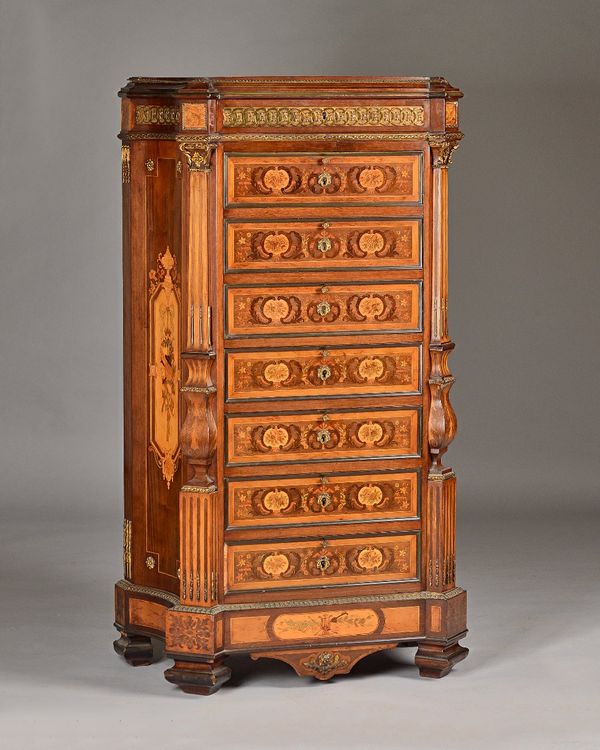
(323, 372)
(324, 308)
(324, 245)
(324, 179)
(323, 437)
(324, 499)
(323, 563)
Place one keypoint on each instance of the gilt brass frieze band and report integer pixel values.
(148, 114)
(315, 117)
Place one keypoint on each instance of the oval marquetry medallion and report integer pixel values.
(275, 565)
(277, 372)
(276, 309)
(326, 624)
(370, 495)
(370, 432)
(371, 242)
(370, 558)
(275, 437)
(371, 307)
(371, 368)
(276, 501)
(371, 178)
(276, 179)
(276, 244)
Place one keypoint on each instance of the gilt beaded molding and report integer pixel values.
(292, 603)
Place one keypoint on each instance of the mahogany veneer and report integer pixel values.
(286, 374)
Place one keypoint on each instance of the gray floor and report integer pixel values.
(531, 680)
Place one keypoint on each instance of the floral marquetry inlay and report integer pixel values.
(335, 178)
(326, 624)
(339, 498)
(317, 562)
(164, 305)
(324, 372)
(318, 309)
(189, 633)
(317, 438)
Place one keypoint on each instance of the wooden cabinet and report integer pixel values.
(286, 374)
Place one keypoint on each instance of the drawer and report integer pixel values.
(323, 245)
(399, 619)
(323, 372)
(328, 309)
(317, 500)
(322, 179)
(323, 437)
(322, 562)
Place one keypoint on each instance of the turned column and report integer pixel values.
(445, 618)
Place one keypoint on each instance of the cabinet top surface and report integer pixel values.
(292, 86)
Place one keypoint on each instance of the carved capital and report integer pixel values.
(198, 153)
(442, 147)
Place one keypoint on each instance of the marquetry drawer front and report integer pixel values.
(263, 311)
(323, 437)
(321, 562)
(314, 179)
(323, 372)
(311, 500)
(331, 623)
(323, 245)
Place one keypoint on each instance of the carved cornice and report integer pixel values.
(198, 152)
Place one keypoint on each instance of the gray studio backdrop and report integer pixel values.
(524, 221)
(524, 283)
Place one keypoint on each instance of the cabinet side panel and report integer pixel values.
(152, 356)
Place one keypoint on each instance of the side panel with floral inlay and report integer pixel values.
(314, 179)
(164, 320)
(323, 437)
(252, 567)
(322, 500)
(331, 244)
(328, 309)
(323, 372)
(155, 320)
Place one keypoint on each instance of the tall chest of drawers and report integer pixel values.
(286, 374)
